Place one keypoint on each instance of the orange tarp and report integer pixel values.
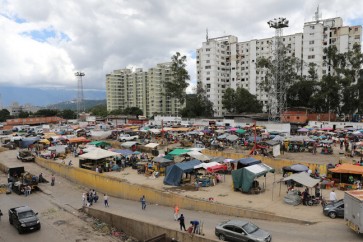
(78, 140)
(348, 168)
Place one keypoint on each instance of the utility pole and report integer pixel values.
(80, 104)
(277, 84)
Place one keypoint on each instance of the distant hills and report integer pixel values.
(72, 105)
(43, 97)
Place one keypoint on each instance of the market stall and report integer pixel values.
(174, 173)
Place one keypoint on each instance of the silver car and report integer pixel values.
(241, 230)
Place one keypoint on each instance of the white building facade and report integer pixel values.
(224, 62)
(142, 89)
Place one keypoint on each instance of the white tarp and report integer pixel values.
(100, 134)
(98, 154)
(258, 168)
(206, 165)
(303, 178)
(59, 149)
(155, 131)
(198, 156)
(128, 144)
(151, 145)
(276, 150)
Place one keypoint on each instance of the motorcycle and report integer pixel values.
(312, 200)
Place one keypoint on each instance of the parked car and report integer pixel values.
(24, 219)
(241, 230)
(334, 209)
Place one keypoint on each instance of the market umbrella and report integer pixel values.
(299, 167)
(232, 129)
(240, 131)
(303, 130)
(232, 137)
(327, 129)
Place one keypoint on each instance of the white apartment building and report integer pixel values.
(224, 62)
(142, 89)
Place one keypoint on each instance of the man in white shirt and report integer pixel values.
(333, 196)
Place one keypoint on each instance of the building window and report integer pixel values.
(312, 27)
(311, 49)
(207, 67)
(311, 42)
(207, 61)
(207, 49)
(311, 56)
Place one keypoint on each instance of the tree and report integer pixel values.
(132, 111)
(46, 113)
(177, 85)
(229, 100)
(197, 105)
(68, 114)
(4, 115)
(300, 94)
(339, 90)
(115, 112)
(99, 110)
(23, 114)
(242, 101)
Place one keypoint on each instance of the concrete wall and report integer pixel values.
(122, 189)
(141, 230)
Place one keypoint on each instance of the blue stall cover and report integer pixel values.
(174, 173)
(249, 161)
(25, 142)
(124, 152)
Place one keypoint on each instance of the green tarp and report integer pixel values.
(243, 178)
(178, 152)
(100, 143)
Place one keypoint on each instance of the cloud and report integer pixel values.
(43, 42)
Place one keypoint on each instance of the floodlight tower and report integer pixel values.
(277, 84)
(80, 104)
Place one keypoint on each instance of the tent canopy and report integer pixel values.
(197, 155)
(98, 154)
(161, 160)
(243, 178)
(206, 165)
(303, 178)
(151, 145)
(178, 152)
(348, 168)
(124, 152)
(232, 137)
(128, 144)
(78, 140)
(218, 159)
(244, 162)
(174, 173)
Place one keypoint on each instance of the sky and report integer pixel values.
(44, 42)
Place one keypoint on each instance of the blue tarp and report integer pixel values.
(247, 162)
(124, 152)
(25, 142)
(174, 173)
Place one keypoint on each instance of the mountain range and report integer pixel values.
(44, 96)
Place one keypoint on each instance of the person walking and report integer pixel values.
(143, 202)
(84, 203)
(53, 180)
(181, 220)
(332, 196)
(105, 200)
(176, 212)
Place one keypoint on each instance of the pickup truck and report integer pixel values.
(127, 137)
(24, 219)
(25, 155)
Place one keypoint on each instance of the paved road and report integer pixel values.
(67, 194)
